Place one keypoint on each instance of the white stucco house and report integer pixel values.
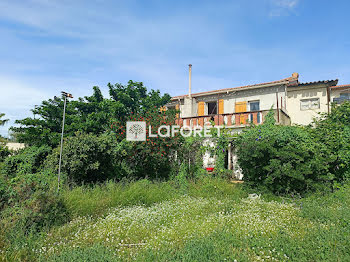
(292, 102)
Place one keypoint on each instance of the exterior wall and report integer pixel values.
(335, 94)
(296, 94)
(266, 96)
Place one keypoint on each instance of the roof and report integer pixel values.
(288, 80)
(332, 82)
(341, 87)
(291, 81)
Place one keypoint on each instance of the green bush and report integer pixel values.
(283, 158)
(89, 158)
(333, 131)
(30, 205)
(4, 151)
(26, 161)
(32, 202)
(3, 191)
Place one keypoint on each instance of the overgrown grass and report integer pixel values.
(209, 219)
(96, 200)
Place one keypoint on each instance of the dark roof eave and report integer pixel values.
(330, 82)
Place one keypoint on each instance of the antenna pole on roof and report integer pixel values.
(189, 80)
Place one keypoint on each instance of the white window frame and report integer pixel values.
(309, 104)
(254, 101)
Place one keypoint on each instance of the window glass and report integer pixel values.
(345, 96)
(254, 106)
(306, 104)
(315, 103)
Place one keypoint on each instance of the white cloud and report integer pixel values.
(283, 7)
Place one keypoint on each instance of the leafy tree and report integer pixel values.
(283, 158)
(154, 157)
(2, 121)
(90, 114)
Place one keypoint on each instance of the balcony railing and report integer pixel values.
(241, 119)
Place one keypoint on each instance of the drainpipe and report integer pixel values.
(328, 98)
(278, 111)
(281, 102)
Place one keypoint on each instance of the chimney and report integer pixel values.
(189, 80)
(295, 75)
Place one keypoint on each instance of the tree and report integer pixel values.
(154, 157)
(2, 121)
(90, 114)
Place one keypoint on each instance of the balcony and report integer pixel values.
(235, 120)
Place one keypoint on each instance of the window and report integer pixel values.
(254, 106)
(307, 104)
(255, 118)
(343, 97)
(212, 108)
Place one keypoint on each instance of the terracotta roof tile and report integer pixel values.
(341, 87)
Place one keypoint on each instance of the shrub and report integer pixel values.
(4, 151)
(3, 191)
(26, 161)
(333, 131)
(282, 158)
(32, 203)
(89, 158)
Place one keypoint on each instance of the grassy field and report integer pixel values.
(207, 220)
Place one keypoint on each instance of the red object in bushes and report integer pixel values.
(210, 169)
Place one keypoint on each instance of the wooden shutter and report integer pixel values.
(241, 107)
(221, 106)
(177, 107)
(200, 108)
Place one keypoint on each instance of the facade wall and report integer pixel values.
(291, 100)
(335, 94)
(296, 95)
(266, 97)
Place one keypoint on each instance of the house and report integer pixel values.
(291, 101)
(340, 93)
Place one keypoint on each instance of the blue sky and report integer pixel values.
(47, 46)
